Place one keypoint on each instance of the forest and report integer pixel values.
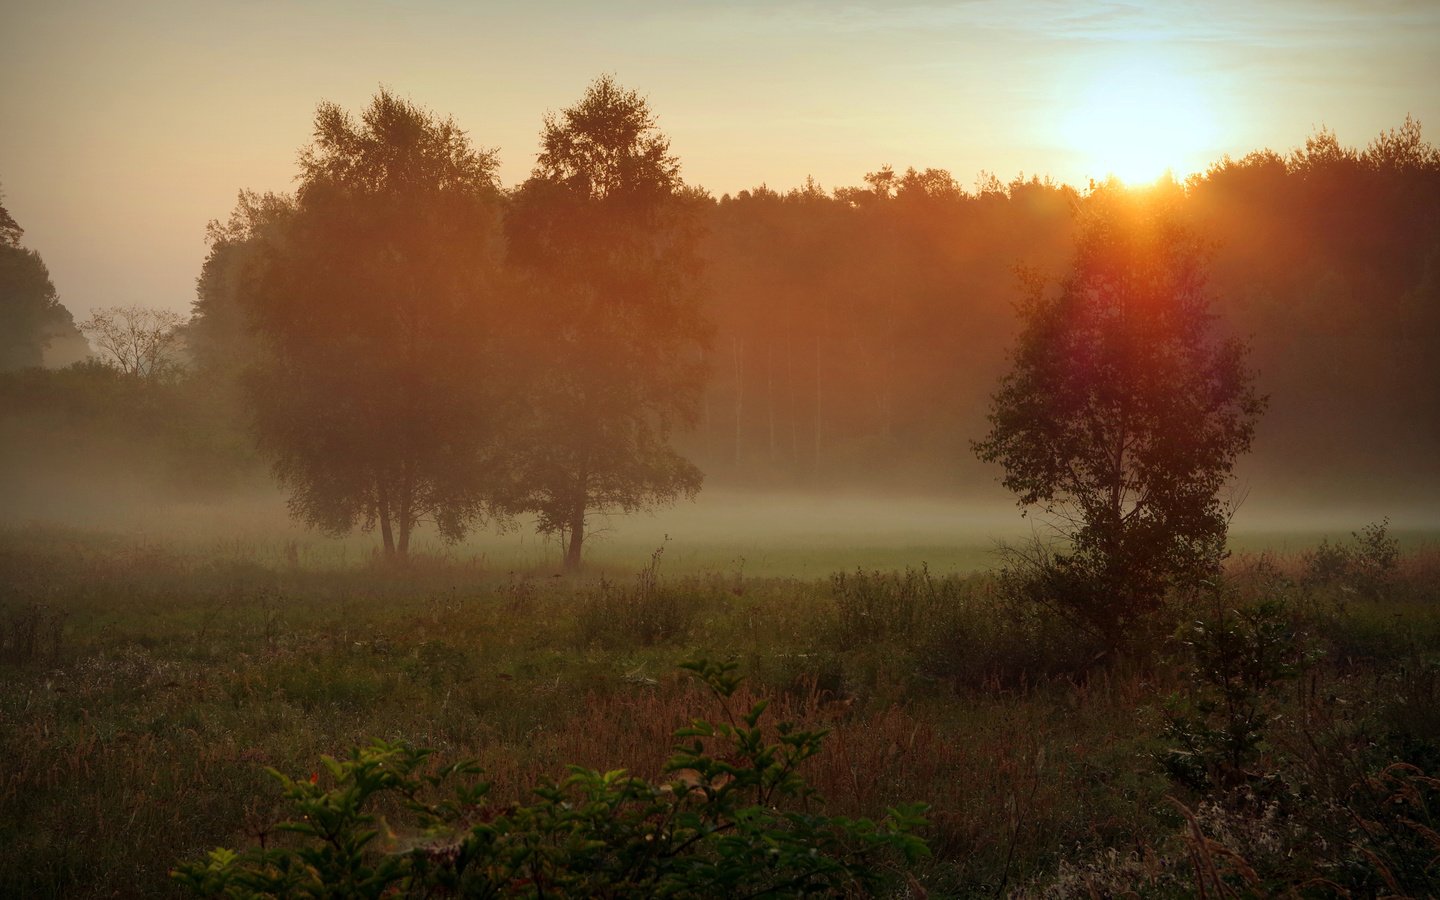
(407, 357)
(844, 339)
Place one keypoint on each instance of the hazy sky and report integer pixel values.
(125, 126)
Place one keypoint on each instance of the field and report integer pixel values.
(152, 676)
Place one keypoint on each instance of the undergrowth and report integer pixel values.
(138, 721)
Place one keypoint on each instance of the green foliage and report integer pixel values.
(1341, 814)
(714, 829)
(873, 606)
(1298, 792)
(1376, 837)
(1237, 658)
(966, 631)
(90, 435)
(187, 666)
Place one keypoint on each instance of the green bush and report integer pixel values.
(1236, 659)
(715, 829)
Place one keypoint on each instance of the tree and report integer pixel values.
(220, 337)
(137, 340)
(31, 316)
(1123, 414)
(604, 234)
(371, 298)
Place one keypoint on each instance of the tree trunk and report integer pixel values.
(405, 514)
(382, 501)
(706, 420)
(577, 539)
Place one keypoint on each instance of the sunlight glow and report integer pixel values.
(1139, 120)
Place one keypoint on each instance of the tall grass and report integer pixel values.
(135, 724)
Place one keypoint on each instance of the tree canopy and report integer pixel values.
(1124, 412)
(372, 297)
(604, 236)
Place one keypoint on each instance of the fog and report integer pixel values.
(726, 531)
(814, 363)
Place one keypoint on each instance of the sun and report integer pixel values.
(1139, 120)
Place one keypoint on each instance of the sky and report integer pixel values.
(126, 126)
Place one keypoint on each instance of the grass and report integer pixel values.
(149, 683)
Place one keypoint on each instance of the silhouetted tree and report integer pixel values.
(604, 232)
(31, 316)
(136, 340)
(10, 230)
(372, 297)
(1123, 415)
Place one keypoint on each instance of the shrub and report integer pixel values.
(1236, 659)
(1367, 567)
(714, 829)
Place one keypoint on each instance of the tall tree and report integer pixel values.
(1123, 414)
(31, 315)
(372, 298)
(605, 234)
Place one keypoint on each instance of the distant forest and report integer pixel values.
(857, 333)
(860, 332)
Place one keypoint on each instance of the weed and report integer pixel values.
(1366, 567)
(712, 828)
(183, 669)
(644, 614)
(1237, 658)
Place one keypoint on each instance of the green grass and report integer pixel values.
(148, 683)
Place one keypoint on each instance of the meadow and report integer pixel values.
(151, 679)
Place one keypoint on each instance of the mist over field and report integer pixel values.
(818, 366)
(736, 490)
(739, 531)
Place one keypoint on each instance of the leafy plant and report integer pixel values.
(1366, 567)
(715, 828)
(1237, 658)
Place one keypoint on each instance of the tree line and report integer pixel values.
(412, 341)
(859, 330)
